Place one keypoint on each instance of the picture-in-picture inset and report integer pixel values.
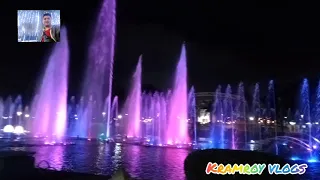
(38, 25)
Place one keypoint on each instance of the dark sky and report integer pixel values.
(227, 42)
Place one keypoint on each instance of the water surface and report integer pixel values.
(141, 162)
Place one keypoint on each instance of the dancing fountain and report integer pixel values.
(178, 112)
(50, 104)
(98, 81)
(167, 119)
(158, 118)
(133, 105)
(300, 144)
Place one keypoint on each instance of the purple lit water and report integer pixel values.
(178, 112)
(140, 162)
(133, 104)
(50, 104)
(98, 80)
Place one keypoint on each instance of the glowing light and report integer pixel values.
(19, 113)
(119, 116)
(312, 160)
(204, 117)
(8, 129)
(26, 115)
(317, 140)
(292, 123)
(104, 113)
(251, 118)
(295, 158)
(18, 130)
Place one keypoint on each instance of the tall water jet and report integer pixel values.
(98, 80)
(8, 111)
(163, 117)
(50, 106)
(256, 110)
(305, 107)
(241, 111)
(72, 116)
(228, 104)
(80, 120)
(157, 119)
(271, 103)
(178, 112)
(217, 129)
(193, 112)
(133, 104)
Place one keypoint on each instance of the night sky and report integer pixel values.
(227, 42)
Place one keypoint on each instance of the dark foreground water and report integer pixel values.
(141, 162)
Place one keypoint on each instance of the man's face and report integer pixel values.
(46, 21)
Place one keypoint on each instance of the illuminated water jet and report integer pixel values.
(178, 111)
(98, 80)
(133, 104)
(50, 104)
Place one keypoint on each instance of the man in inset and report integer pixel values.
(51, 33)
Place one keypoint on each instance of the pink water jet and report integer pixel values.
(50, 104)
(178, 112)
(99, 75)
(133, 104)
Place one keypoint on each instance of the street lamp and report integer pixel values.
(251, 118)
(119, 116)
(26, 115)
(19, 113)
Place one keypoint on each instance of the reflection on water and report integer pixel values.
(104, 159)
(140, 162)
